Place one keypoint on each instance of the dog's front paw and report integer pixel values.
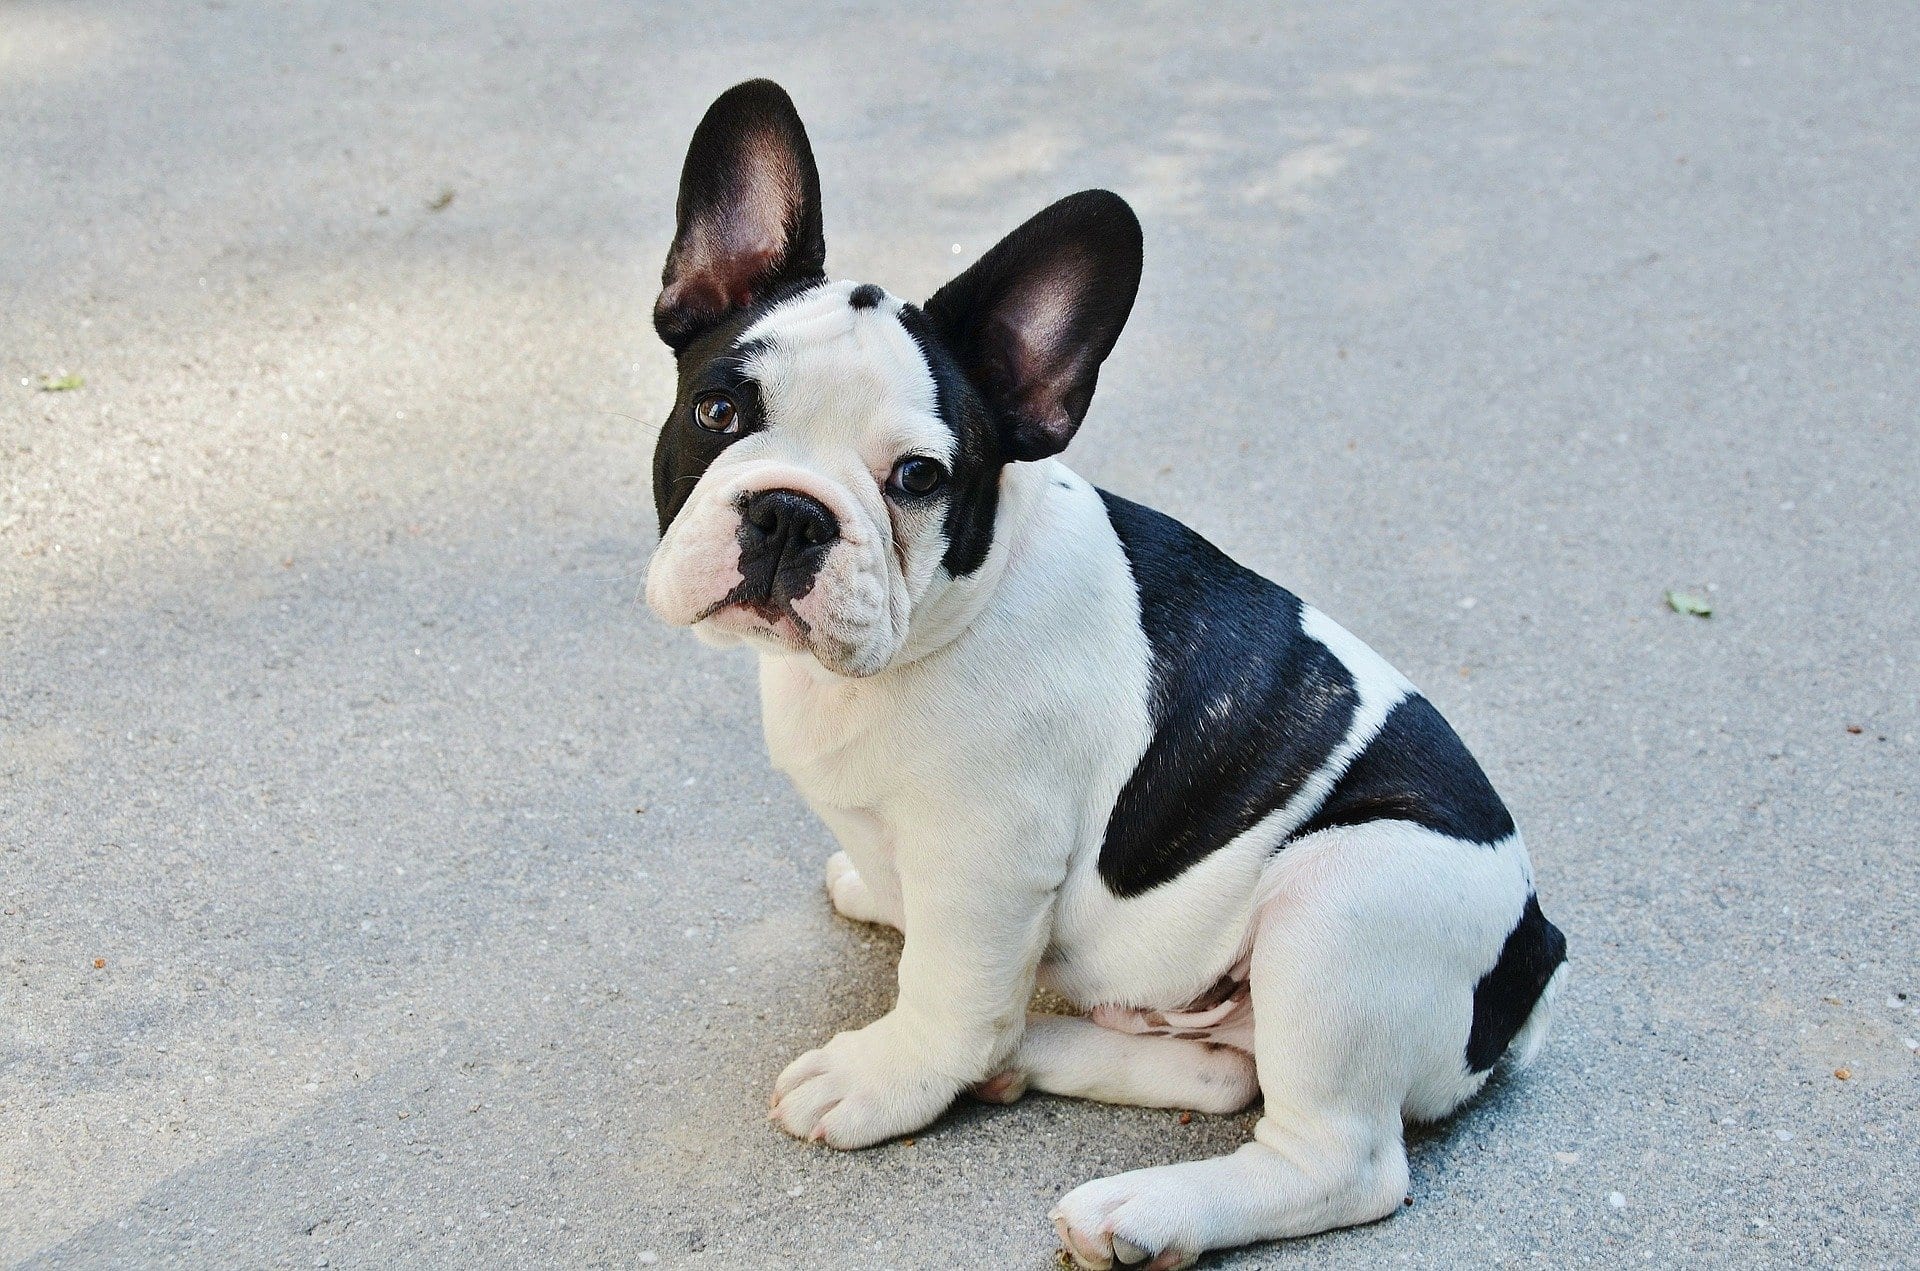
(1131, 1220)
(860, 1088)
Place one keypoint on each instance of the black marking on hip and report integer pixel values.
(1245, 705)
(1416, 769)
(1506, 995)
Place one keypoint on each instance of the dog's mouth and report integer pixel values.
(759, 615)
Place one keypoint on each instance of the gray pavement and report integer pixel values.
(380, 884)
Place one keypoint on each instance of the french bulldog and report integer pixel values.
(1061, 739)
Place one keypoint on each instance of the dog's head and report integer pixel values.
(835, 455)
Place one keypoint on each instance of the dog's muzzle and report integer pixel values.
(784, 539)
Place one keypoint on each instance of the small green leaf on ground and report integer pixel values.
(60, 383)
(439, 202)
(1698, 606)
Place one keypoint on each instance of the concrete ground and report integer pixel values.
(380, 884)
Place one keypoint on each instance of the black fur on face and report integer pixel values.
(685, 450)
(716, 360)
(973, 489)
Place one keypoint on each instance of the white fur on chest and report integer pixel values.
(1029, 722)
(1029, 719)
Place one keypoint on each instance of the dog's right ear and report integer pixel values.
(748, 215)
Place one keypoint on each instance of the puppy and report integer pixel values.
(1062, 739)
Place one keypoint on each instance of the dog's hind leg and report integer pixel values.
(1069, 1055)
(1366, 953)
(1326, 1153)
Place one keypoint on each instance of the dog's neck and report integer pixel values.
(948, 609)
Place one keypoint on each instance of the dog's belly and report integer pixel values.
(1222, 1015)
(1164, 951)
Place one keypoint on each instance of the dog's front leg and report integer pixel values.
(978, 907)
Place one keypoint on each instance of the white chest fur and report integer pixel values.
(1014, 739)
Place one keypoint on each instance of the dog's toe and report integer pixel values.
(1099, 1253)
(1087, 1253)
(843, 880)
(860, 1088)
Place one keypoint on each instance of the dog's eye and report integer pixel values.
(716, 412)
(917, 474)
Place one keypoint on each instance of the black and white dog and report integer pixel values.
(1061, 738)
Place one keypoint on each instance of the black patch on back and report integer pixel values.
(1245, 706)
(1506, 995)
(973, 489)
(1416, 769)
(865, 296)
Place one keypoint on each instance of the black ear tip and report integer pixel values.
(1104, 214)
(755, 96)
(1104, 203)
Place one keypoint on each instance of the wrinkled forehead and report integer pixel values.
(837, 367)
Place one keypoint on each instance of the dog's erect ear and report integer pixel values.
(748, 216)
(1032, 320)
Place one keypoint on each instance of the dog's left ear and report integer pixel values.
(1032, 320)
(748, 216)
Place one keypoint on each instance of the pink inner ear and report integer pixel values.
(692, 294)
(721, 283)
(1041, 360)
(720, 261)
(1040, 311)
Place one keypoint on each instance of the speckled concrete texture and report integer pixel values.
(381, 885)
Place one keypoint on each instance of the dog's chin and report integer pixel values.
(769, 628)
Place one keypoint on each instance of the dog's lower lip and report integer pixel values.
(769, 611)
(759, 608)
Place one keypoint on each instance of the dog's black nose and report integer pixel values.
(788, 529)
